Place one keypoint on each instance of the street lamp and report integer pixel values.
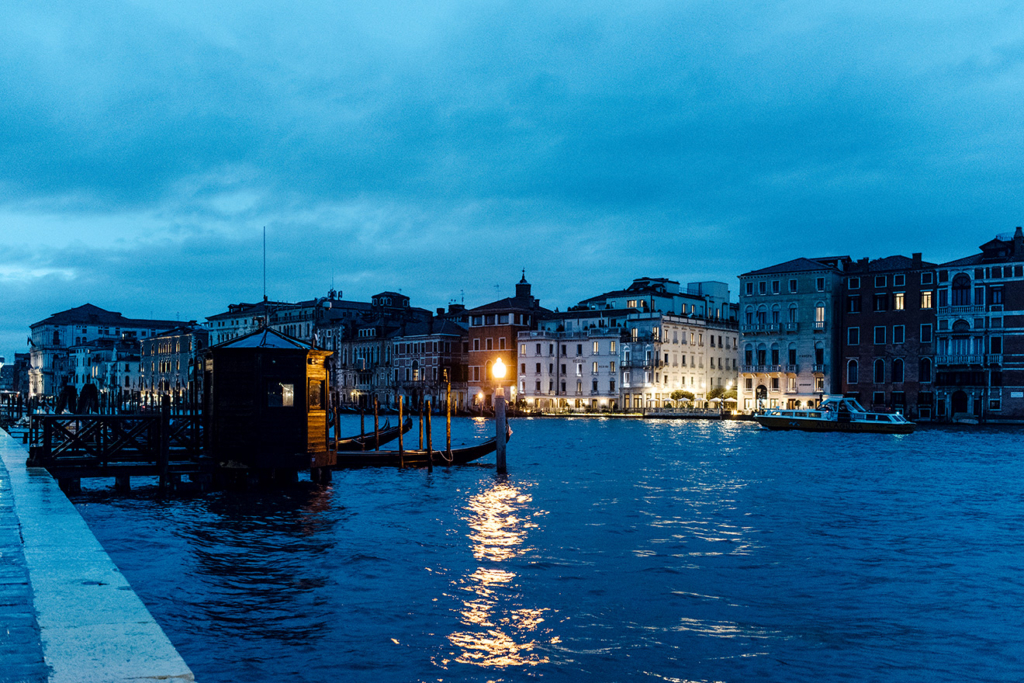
(498, 373)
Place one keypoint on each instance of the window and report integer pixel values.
(926, 299)
(997, 295)
(611, 347)
(853, 303)
(926, 278)
(961, 290)
(538, 349)
(924, 372)
(997, 345)
(792, 313)
(489, 344)
(594, 369)
(853, 336)
(762, 287)
(898, 334)
(538, 368)
(881, 281)
(880, 335)
(852, 372)
(820, 284)
(749, 288)
(611, 366)
(776, 286)
(926, 333)
(899, 280)
(878, 398)
(488, 320)
(579, 349)
(819, 315)
(522, 349)
(792, 286)
(897, 371)
(522, 368)
(476, 344)
(501, 343)
(880, 301)
(879, 376)
(853, 283)
(897, 301)
(503, 319)
(596, 348)
(280, 395)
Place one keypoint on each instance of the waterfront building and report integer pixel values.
(168, 360)
(888, 336)
(493, 333)
(979, 363)
(790, 327)
(428, 356)
(632, 348)
(52, 338)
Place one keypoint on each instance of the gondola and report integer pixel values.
(418, 457)
(363, 441)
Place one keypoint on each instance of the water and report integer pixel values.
(614, 550)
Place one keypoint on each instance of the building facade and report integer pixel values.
(888, 337)
(168, 360)
(790, 328)
(428, 357)
(979, 359)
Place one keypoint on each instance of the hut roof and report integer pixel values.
(265, 338)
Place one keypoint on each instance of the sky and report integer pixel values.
(438, 148)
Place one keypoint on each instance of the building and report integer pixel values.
(52, 338)
(790, 328)
(429, 355)
(493, 333)
(888, 337)
(569, 370)
(979, 357)
(168, 360)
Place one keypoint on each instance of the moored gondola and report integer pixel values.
(363, 441)
(418, 457)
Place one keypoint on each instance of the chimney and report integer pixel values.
(440, 311)
(916, 259)
(1018, 242)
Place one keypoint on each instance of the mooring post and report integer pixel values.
(336, 430)
(448, 418)
(165, 441)
(430, 443)
(500, 427)
(376, 426)
(421, 423)
(401, 437)
(362, 427)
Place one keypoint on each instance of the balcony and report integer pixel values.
(749, 328)
(995, 359)
(793, 369)
(961, 310)
(772, 368)
(773, 327)
(958, 360)
(819, 325)
(756, 369)
(792, 327)
(819, 368)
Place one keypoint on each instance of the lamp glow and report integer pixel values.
(498, 370)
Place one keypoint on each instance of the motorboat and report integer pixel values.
(835, 414)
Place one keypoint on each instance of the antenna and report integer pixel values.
(264, 263)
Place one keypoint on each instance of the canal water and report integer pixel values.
(614, 550)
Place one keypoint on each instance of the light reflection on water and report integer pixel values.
(500, 631)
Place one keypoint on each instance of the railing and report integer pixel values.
(794, 369)
(819, 325)
(995, 359)
(960, 310)
(773, 368)
(959, 360)
(792, 327)
(819, 368)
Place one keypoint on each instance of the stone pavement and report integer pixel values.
(21, 652)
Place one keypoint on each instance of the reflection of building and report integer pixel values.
(53, 337)
(790, 327)
(888, 335)
(168, 359)
(979, 362)
(493, 332)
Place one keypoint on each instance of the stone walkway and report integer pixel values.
(21, 653)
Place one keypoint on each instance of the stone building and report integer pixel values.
(888, 336)
(426, 357)
(168, 360)
(790, 328)
(979, 357)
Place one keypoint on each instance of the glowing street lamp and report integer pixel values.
(498, 370)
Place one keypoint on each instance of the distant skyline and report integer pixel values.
(439, 148)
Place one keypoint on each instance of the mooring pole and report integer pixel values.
(401, 437)
(165, 441)
(500, 428)
(430, 443)
(335, 426)
(448, 417)
(362, 427)
(421, 423)
(376, 426)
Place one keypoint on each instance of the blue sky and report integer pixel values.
(439, 147)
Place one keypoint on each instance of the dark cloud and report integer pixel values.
(442, 146)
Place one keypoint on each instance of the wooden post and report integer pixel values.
(500, 428)
(448, 417)
(376, 426)
(165, 441)
(421, 423)
(430, 442)
(362, 427)
(336, 430)
(401, 437)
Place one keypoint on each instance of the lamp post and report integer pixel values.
(500, 426)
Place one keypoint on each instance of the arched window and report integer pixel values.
(762, 315)
(776, 313)
(961, 290)
(749, 354)
(762, 352)
(925, 370)
(792, 354)
(792, 313)
(852, 372)
(819, 314)
(819, 353)
(775, 354)
(879, 371)
(897, 370)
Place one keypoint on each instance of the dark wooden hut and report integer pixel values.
(265, 402)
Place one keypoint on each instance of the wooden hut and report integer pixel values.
(265, 402)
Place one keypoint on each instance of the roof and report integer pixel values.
(974, 260)
(511, 303)
(94, 315)
(798, 265)
(891, 263)
(264, 338)
(440, 326)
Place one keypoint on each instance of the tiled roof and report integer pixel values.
(799, 265)
(94, 315)
(265, 338)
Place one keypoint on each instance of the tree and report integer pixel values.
(680, 395)
(716, 392)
